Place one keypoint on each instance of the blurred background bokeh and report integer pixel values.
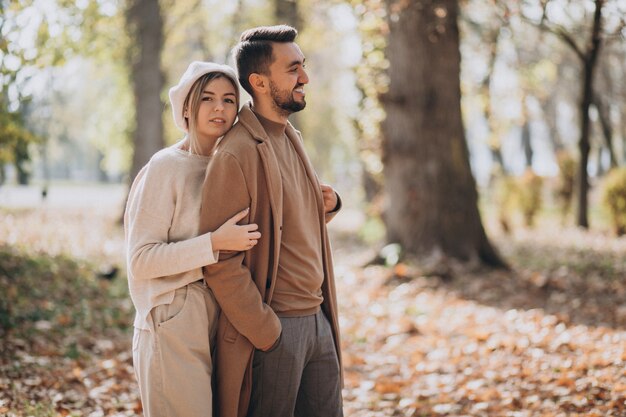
(460, 134)
(84, 93)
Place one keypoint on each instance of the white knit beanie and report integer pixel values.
(179, 92)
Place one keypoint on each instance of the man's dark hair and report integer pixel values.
(253, 53)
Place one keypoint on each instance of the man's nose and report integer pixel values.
(303, 77)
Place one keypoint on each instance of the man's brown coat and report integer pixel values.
(244, 173)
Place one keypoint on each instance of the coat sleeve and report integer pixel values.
(225, 193)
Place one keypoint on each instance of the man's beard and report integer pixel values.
(284, 100)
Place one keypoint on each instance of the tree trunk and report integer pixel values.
(550, 115)
(607, 130)
(102, 174)
(494, 141)
(623, 129)
(589, 64)
(432, 194)
(286, 12)
(525, 136)
(600, 170)
(145, 25)
(21, 157)
(527, 145)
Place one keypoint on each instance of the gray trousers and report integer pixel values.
(300, 375)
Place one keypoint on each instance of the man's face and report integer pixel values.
(287, 78)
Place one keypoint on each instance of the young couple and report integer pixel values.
(239, 320)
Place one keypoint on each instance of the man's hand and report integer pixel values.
(330, 198)
(269, 347)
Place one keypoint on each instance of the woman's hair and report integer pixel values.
(192, 105)
(253, 53)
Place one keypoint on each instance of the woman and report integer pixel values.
(176, 315)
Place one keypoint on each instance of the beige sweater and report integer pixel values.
(164, 251)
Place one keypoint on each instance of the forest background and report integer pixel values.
(479, 147)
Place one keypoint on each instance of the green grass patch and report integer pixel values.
(53, 294)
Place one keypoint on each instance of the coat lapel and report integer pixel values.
(273, 180)
(275, 186)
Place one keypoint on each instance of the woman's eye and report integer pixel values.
(230, 100)
(207, 99)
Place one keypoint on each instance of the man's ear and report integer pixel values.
(259, 83)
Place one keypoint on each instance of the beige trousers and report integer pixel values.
(173, 361)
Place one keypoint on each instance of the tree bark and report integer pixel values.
(432, 194)
(145, 25)
(605, 124)
(589, 65)
(550, 115)
(525, 135)
(623, 129)
(286, 12)
(494, 142)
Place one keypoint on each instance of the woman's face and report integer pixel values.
(217, 109)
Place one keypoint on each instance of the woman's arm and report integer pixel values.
(148, 221)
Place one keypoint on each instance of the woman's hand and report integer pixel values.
(231, 236)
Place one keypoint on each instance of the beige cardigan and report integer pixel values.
(246, 170)
(164, 251)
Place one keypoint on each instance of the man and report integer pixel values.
(277, 348)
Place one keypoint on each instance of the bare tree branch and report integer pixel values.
(176, 22)
(568, 39)
(617, 34)
(557, 30)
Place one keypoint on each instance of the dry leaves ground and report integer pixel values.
(65, 328)
(545, 339)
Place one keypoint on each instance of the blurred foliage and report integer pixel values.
(521, 194)
(71, 57)
(329, 136)
(54, 294)
(614, 199)
(530, 189)
(373, 230)
(372, 83)
(565, 183)
(37, 37)
(15, 138)
(14, 134)
(504, 193)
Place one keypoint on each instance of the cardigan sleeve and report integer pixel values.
(225, 193)
(148, 218)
